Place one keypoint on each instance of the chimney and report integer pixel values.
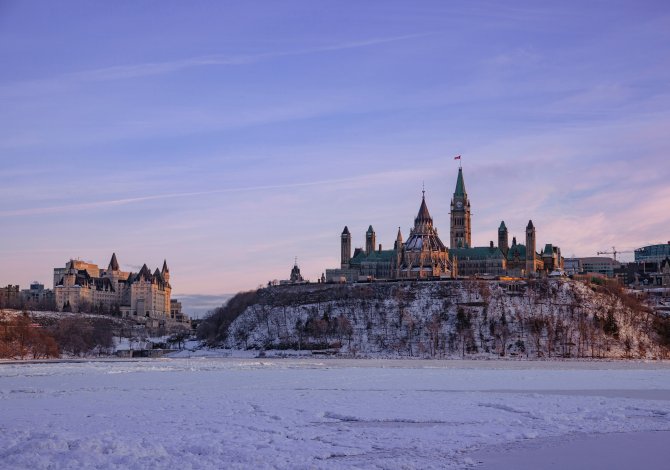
(380, 247)
(491, 245)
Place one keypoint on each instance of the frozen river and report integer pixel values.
(311, 413)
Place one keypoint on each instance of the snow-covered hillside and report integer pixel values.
(546, 318)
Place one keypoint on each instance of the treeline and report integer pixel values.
(214, 328)
(20, 303)
(22, 338)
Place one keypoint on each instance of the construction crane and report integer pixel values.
(614, 252)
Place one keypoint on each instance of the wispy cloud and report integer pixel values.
(123, 72)
(154, 197)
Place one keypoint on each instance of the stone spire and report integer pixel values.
(460, 185)
(165, 272)
(113, 263)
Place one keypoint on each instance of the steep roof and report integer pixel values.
(165, 267)
(502, 227)
(113, 263)
(423, 215)
(144, 273)
(476, 253)
(460, 184)
(530, 225)
(370, 229)
(345, 231)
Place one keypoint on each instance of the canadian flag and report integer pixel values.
(457, 158)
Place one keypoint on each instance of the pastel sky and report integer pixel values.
(230, 137)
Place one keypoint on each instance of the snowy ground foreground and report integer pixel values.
(330, 413)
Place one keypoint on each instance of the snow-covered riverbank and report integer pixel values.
(307, 413)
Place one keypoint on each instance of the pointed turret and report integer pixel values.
(295, 272)
(113, 263)
(530, 249)
(397, 246)
(503, 238)
(423, 216)
(165, 272)
(345, 248)
(144, 273)
(460, 184)
(370, 240)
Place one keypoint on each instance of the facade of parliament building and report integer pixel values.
(424, 255)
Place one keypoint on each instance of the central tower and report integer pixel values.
(461, 230)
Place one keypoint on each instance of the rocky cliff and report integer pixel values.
(468, 318)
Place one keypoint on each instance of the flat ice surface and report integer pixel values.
(330, 413)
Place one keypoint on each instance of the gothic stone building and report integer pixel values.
(424, 255)
(516, 260)
(143, 295)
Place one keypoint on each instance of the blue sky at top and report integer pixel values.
(229, 137)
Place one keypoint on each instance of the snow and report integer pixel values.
(325, 413)
(421, 320)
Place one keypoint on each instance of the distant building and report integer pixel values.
(90, 268)
(10, 296)
(37, 295)
(516, 260)
(176, 312)
(295, 277)
(480, 260)
(645, 274)
(653, 254)
(599, 265)
(424, 256)
(144, 296)
(572, 266)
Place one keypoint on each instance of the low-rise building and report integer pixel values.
(599, 265)
(10, 296)
(38, 297)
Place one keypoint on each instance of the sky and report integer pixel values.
(231, 137)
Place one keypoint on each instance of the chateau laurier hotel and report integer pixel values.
(424, 256)
(141, 295)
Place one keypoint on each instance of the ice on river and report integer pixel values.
(306, 413)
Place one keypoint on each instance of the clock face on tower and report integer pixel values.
(459, 205)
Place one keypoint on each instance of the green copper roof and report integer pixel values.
(478, 252)
(460, 184)
(370, 229)
(502, 227)
(384, 255)
(514, 249)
